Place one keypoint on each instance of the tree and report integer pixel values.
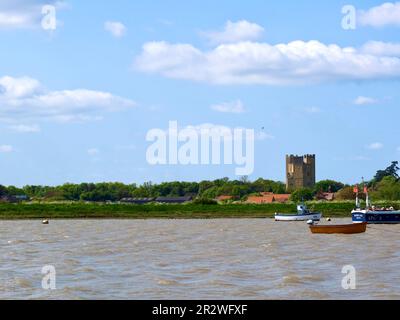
(204, 185)
(205, 201)
(387, 189)
(14, 191)
(244, 179)
(70, 191)
(302, 195)
(262, 185)
(3, 191)
(210, 193)
(237, 192)
(328, 186)
(347, 193)
(390, 171)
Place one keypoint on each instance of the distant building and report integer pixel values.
(224, 198)
(268, 197)
(300, 172)
(325, 196)
(137, 200)
(174, 200)
(14, 199)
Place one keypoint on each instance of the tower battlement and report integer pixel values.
(300, 171)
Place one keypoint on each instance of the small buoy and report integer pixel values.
(328, 219)
(45, 222)
(310, 222)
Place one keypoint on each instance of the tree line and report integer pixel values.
(115, 191)
(384, 186)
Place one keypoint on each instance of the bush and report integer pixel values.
(387, 189)
(205, 201)
(347, 193)
(302, 195)
(328, 186)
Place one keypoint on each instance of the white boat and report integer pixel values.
(303, 214)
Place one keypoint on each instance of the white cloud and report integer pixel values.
(21, 14)
(297, 62)
(14, 20)
(375, 146)
(25, 98)
(117, 29)
(19, 87)
(229, 107)
(235, 32)
(360, 101)
(93, 152)
(6, 149)
(378, 48)
(380, 16)
(22, 128)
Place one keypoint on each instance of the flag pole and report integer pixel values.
(366, 194)
(357, 199)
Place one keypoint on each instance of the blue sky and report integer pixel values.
(76, 103)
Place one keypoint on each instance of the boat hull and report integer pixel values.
(376, 217)
(298, 217)
(354, 228)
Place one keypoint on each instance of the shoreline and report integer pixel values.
(82, 211)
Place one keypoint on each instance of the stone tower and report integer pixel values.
(300, 172)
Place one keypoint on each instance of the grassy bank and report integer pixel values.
(154, 211)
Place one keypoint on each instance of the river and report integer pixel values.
(195, 259)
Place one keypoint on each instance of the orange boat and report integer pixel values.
(339, 229)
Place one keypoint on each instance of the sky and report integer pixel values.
(77, 100)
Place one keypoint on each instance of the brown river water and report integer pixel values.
(195, 259)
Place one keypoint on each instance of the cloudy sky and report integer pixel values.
(76, 102)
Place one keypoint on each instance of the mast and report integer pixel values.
(357, 199)
(367, 203)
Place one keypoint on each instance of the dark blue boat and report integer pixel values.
(372, 216)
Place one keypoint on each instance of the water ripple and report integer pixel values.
(194, 259)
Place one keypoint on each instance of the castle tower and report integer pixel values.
(300, 172)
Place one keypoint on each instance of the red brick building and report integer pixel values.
(268, 197)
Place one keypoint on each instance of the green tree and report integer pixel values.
(347, 193)
(302, 195)
(3, 191)
(205, 201)
(387, 189)
(210, 193)
(14, 191)
(70, 191)
(390, 171)
(204, 185)
(328, 186)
